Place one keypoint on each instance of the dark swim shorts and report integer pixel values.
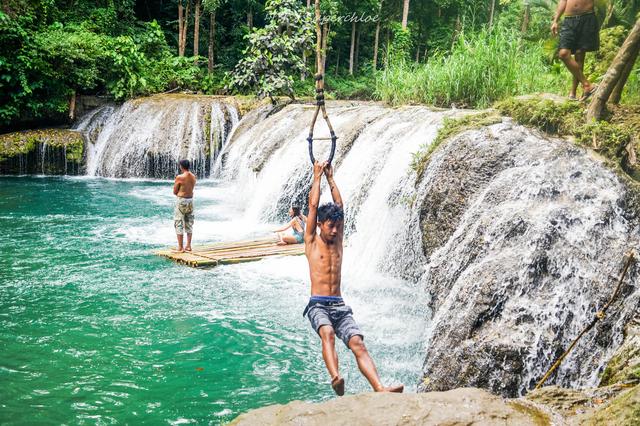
(328, 310)
(580, 32)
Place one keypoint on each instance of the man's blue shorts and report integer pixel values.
(331, 310)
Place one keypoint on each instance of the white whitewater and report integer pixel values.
(147, 137)
(501, 338)
(502, 238)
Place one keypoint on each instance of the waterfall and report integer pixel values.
(147, 137)
(513, 236)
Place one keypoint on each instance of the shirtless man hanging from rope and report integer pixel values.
(328, 314)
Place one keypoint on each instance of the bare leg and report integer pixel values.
(367, 367)
(579, 56)
(330, 356)
(287, 239)
(188, 247)
(575, 68)
(180, 245)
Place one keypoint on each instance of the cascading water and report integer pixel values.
(510, 268)
(534, 236)
(147, 137)
(220, 127)
(479, 271)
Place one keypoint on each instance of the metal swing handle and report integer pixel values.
(333, 138)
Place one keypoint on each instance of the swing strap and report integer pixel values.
(320, 105)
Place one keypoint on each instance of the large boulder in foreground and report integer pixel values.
(531, 233)
(456, 407)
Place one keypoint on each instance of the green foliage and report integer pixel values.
(50, 49)
(39, 70)
(400, 48)
(545, 114)
(274, 54)
(610, 138)
(481, 68)
(359, 87)
(22, 143)
(611, 40)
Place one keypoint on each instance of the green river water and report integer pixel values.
(94, 329)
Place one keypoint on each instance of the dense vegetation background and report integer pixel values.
(467, 53)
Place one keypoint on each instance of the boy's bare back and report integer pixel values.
(185, 182)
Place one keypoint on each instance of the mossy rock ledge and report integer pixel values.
(42, 151)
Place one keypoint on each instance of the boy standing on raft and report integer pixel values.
(328, 314)
(183, 213)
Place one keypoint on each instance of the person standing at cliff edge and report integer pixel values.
(327, 312)
(183, 213)
(579, 34)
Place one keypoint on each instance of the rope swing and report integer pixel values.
(630, 257)
(321, 45)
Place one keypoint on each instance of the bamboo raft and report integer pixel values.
(233, 252)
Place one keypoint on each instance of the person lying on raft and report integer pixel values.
(297, 224)
(327, 312)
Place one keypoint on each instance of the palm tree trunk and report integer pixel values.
(456, 31)
(614, 73)
(196, 30)
(185, 27)
(303, 74)
(353, 47)
(325, 39)
(212, 35)
(356, 61)
(72, 106)
(375, 46)
(526, 18)
(405, 14)
(616, 95)
(492, 12)
(180, 24)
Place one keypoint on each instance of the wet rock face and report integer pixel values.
(524, 237)
(624, 366)
(43, 151)
(456, 407)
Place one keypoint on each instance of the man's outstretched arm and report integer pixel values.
(335, 193)
(562, 5)
(314, 201)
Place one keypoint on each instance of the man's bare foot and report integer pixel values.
(588, 91)
(177, 250)
(187, 248)
(337, 383)
(395, 389)
(281, 243)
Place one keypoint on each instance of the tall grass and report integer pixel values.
(480, 69)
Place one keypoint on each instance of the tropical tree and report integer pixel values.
(274, 53)
(405, 14)
(211, 6)
(616, 75)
